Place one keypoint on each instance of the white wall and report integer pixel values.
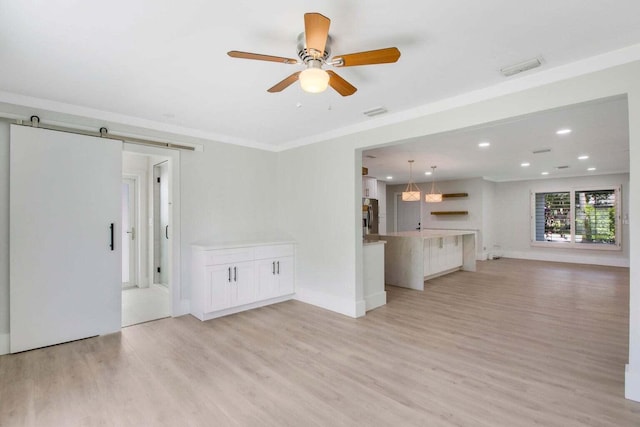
(513, 231)
(4, 236)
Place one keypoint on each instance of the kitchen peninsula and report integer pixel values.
(411, 257)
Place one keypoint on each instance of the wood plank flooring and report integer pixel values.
(518, 343)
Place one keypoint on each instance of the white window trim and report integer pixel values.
(572, 243)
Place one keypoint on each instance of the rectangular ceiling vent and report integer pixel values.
(562, 167)
(543, 150)
(375, 111)
(519, 68)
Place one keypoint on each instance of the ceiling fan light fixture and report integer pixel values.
(314, 80)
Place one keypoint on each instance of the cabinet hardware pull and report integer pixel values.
(111, 231)
(229, 270)
(166, 231)
(278, 267)
(273, 267)
(235, 274)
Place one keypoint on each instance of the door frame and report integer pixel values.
(135, 271)
(179, 306)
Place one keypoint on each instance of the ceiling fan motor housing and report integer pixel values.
(305, 55)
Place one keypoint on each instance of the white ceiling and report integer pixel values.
(599, 129)
(161, 64)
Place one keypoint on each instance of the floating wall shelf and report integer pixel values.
(452, 195)
(449, 212)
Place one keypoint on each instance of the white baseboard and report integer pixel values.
(346, 306)
(631, 384)
(5, 344)
(184, 307)
(375, 300)
(556, 256)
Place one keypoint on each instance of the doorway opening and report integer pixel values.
(146, 210)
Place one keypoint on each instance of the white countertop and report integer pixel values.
(240, 243)
(429, 234)
(371, 243)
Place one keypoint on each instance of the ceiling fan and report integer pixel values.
(314, 48)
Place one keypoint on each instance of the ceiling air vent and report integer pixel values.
(543, 150)
(519, 68)
(562, 167)
(375, 111)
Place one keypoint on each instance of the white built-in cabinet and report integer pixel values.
(442, 254)
(369, 187)
(227, 280)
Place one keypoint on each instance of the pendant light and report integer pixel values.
(412, 192)
(433, 196)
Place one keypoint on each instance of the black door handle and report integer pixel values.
(166, 232)
(111, 232)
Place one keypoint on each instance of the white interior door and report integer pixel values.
(65, 255)
(407, 215)
(129, 236)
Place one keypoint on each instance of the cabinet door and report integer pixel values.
(455, 251)
(218, 287)
(243, 291)
(284, 270)
(369, 188)
(266, 281)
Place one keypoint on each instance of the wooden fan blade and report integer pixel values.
(340, 85)
(379, 56)
(279, 87)
(259, 57)
(316, 30)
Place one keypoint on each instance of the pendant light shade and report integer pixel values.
(433, 196)
(412, 192)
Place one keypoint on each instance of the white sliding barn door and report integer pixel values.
(65, 255)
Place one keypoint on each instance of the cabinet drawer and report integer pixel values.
(273, 251)
(227, 256)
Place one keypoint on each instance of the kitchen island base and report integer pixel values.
(415, 256)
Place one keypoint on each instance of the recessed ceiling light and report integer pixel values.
(585, 157)
(544, 173)
(563, 131)
(591, 169)
(389, 177)
(427, 173)
(484, 144)
(525, 164)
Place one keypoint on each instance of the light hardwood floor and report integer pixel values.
(517, 343)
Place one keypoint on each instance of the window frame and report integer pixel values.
(572, 244)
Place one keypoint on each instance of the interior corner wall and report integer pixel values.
(318, 193)
(513, 231)
(489, 246)
(4, 236)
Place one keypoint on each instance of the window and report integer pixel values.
(577, 218)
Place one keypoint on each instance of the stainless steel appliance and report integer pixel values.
(370, 219)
